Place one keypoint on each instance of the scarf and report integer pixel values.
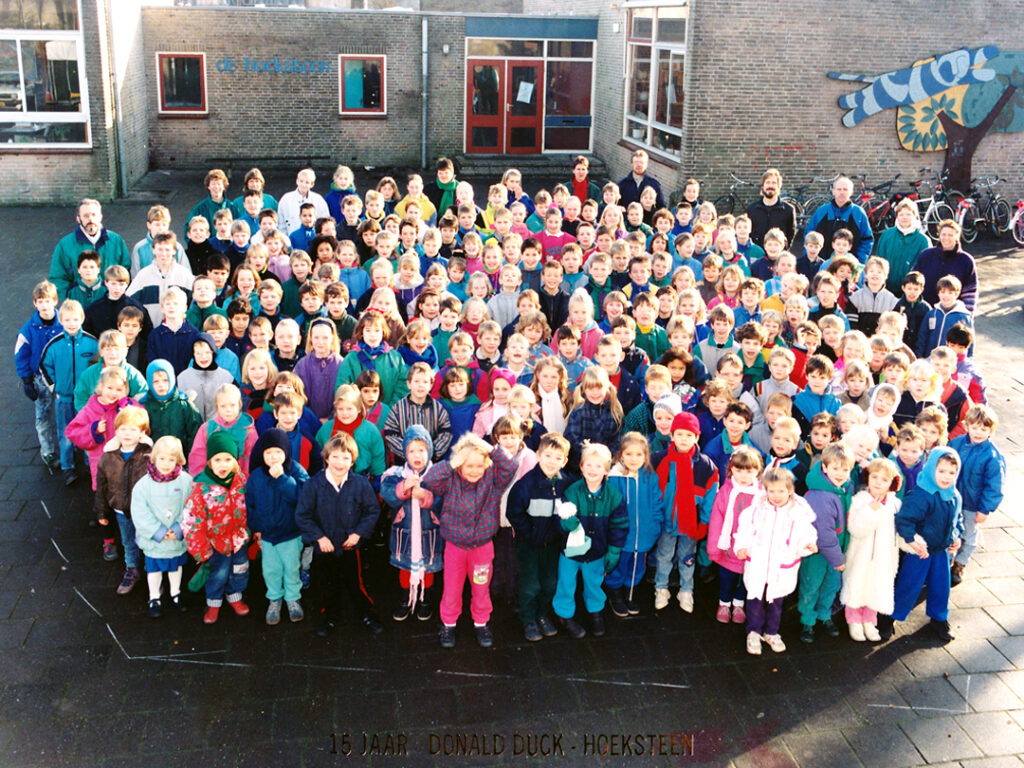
(909, 230)
(447, 194)
(725, 536)
(684, 503)
(367, 354)
(161, 478)
(417, 566)
(208, 476)
(348, 429)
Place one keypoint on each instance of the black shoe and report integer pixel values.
(546, 627)
(371, 623)
(806, 633)
(447, 636)
(156, 610)
(618, 605)
(830, 628)
(576, 632)
(179, 603)
(941, 629)
(956, 573)
(70, 477)
(52, 462)
(532, 632)
(597, 624)
(423, 611)
(324, 627)
(631, 604)
(484, 638)
(402, 612)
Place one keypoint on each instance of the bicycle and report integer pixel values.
(1017, 223)
(727, 203)
(879, 202)
(937, 209)
(995, 212)
(804, 205)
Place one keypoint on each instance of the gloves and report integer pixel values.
(198, 581)
(611, 559)
(565, 509)
(28, 384)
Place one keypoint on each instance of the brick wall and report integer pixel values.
(134, 78)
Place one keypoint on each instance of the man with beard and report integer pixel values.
(770, 212)
(90, 234)
(638, 180)
(842, 213)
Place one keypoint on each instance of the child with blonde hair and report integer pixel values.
(550, 384)
(596, 414)
(922, 389)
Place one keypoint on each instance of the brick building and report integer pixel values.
(107, 89)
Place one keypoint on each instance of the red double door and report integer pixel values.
(503, 106)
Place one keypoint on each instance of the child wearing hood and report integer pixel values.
(929, 525)
(637, 483)
(214, 524)
(170, 411)
(909, 456)
(158, 502)
(739, 491)
(228, 417)
(884, 399)
(123, 463)
(829, 491)
(203, 378)
(271, 495)
(417, 549)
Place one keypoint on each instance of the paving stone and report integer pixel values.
(1009, 617)
(940, 738)
(973, 623)
(995, 733)
(985, 692)
(882, 746)
(972, 593)
(1009, 589)
(978, 656)
(824, 748)
(932, 695)
(931, 662)
(1006, 761)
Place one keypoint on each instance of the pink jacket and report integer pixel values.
(197, 456)
(83, 430)
(726, 557)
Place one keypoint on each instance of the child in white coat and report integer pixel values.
(872, 555)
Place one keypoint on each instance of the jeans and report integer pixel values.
(228, 574)
(65, 412)
(565, 594)
(969, 539)
(46, 426)
(914, 573)
(731, 588)
(131, 548)
(476, 565)
(677, 551)
(281, 569)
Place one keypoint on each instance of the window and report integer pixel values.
(362, 85)
(181, 83)
(655, 53)
(43, 97)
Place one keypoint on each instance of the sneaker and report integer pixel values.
(685, 601)
(70, 477)
(871, 633)
(806, 633)
(597, 624)
(484, 637)
(739, 614)
(402, 612)
(546, 627)
(774, 642)
(274, 613)
(423, 611)
(956, 573)
(830, 628)
(128, 581)
(885, 626)
(660, 599)
(109, 551)
(304, 578)
(723, 614)
(156, 610)
(941, 629)
(532, 632)
(295, 612)
(857, 632)
(632, 605)
(447, 636)
(371, 623)
(617, 603)
(753, 644)
(210, 617)
(239, 607)
(179, 603)
(576, 632)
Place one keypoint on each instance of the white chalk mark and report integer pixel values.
(59, 552)
(474, 674)
(192, 653)
(967, 696)
(623, 682)
(327, 666)
(93, 607)
(126, 655)
(930, 709)
(45, 509)
(178, 660)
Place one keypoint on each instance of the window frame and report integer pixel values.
(366, 112)
(674, 51)
(204, 111)
(82, 116)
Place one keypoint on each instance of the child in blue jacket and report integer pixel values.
(929, 524)
(34, 335)
(981, 481)
(636, 481)
(271, 495)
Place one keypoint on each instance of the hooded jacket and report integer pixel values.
(156, 509)
(241, 430)
(604, 519)
(117, 476)
(934, 514)
(173, 414)
(830, 505)
(34, 336)
(270, 502)
(982, 475)
(775, 538)
(201, 384)
(644, 507)
(83, 430)
(936, 325)
(64, 359)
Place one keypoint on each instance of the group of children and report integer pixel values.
(527, 395)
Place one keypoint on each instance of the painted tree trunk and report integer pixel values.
(962, 142)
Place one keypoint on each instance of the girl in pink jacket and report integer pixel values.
(93, 426)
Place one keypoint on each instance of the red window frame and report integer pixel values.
(162, 108)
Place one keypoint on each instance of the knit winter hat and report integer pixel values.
(686, 421)
(669, 403)
(502, 373)
(418, 432)
(272, 438)
(221, 441)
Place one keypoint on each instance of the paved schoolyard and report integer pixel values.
(86, 678)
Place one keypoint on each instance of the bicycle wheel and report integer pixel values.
(1017, 229)
(814, 203)
(725, 204)
(796, 205)
(934, 216)
(970, 218)
(999, 216)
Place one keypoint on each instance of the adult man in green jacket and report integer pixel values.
(90, 234)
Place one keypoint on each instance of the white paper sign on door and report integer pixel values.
(525, 92)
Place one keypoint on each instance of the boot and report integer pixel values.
(617, 602)
(956, 573)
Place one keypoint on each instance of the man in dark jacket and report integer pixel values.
(770, 211)
(635, 182)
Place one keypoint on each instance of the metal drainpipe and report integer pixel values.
(423, 98)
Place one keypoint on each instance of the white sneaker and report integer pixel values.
(774, 642)
(871, 633)
(857, 633)
(685, 601)
(753, 644)
(660, 599)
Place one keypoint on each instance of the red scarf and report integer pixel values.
(349, 429)
(684, 503)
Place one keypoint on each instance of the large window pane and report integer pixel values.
(640, 81)
(10, 80)
(42, 133)
(669, 94)
(182, 82)
(641, 21)
(486, 85)
(672, 25)
(666, 142)
(570, 49)
(567, 138)
(505, 48)
(39, 14)
(51, 75)
(362, 84)
(569, 88)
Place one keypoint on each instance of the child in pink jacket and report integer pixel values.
(93, 426)
(229, 418)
